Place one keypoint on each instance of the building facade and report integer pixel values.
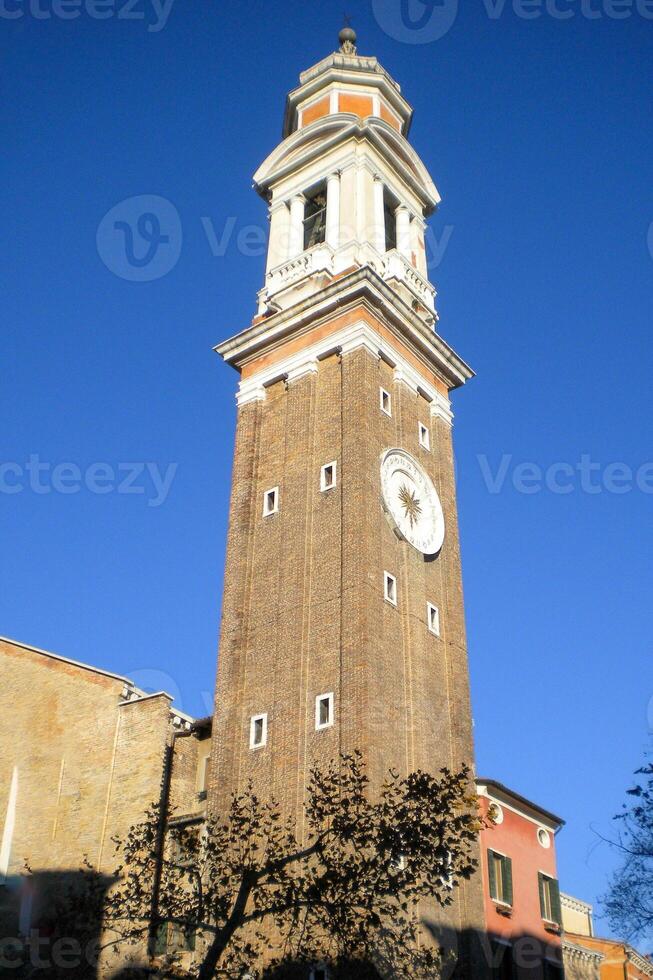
(83, 755)
(520, 884)
(343, 622)
(587, 956)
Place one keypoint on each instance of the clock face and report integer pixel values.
(411, 500)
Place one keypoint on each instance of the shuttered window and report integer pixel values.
(500, 877)
(549, 899)
(502, 963)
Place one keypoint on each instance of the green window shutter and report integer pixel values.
(556, 911)
(540, 883)
(492, 874)
(507, 880)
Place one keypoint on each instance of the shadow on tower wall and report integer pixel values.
(50, 925)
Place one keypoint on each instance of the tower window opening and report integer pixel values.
(271, 502)
(390, 588)
(258, 731)
(433, 618)
(319, 973)
(328, 477)
(424, 436)
(315, 218)
(323, 711)
(385, 401)
(390, 219)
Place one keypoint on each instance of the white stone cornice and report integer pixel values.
(249, 393)
(407, 377)
(441, 408)
(573, 951)
(362, 287)
(361, 335)
(346, 341)
(307, 367)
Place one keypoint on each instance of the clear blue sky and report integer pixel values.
(539, 135)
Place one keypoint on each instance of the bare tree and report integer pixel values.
(348, 893)
(629, 902)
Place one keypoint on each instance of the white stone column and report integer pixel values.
(332, 235)
(378, 231)
(296, 236)
(279, 232)
(402, 215)
(418, 244)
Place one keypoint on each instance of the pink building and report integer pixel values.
(520, 884)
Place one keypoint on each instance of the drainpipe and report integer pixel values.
(164, 800)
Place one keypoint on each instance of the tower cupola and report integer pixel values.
(345, 189)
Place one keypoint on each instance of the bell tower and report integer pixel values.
(343, 622)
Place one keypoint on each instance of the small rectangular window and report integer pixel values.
(500, 877)
(271, 502)
(386, 402)
(424, 436)
(390, 588)
(323, 711)
(433, 614)
(258, 731)
(328, 477)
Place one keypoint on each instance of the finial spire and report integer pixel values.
(347, 38)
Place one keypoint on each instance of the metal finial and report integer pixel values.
(347, 38)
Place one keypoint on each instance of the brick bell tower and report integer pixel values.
(343, 623)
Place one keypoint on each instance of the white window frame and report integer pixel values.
(272, 493)
(320, 726)
(252, 731)
(390, 591)
(324, 485)
(383, 394)
(424, 436)
(433, 618)
(447, 880)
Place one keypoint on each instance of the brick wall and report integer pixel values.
(303, 609)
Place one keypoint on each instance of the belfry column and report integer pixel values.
(332, 234)
(296, 236)
(403, 230)
(378, 231)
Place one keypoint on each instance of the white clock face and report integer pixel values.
(411, 500)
